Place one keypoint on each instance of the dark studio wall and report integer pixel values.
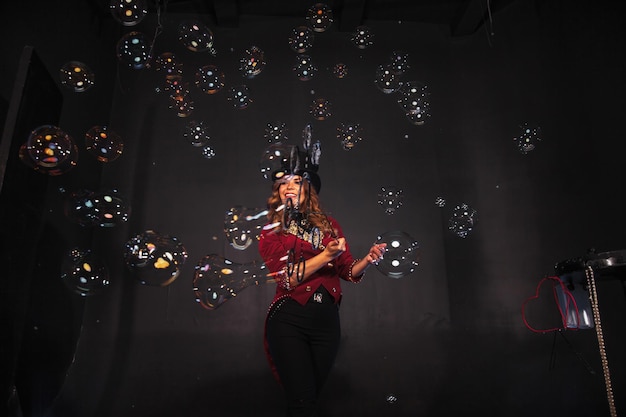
(448, 338)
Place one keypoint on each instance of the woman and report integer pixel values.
(307, 253)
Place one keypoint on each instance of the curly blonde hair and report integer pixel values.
(310, 208)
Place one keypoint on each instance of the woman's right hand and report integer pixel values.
(336, 247)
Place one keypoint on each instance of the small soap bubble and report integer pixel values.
(103, 143)
(319, 17)
(304, 68)
(196, 133)
(391, 399)
(210, 79)
(349, 134)
(362, 37)
(49, 150)
(528, 138)
(440, 202)
(301, 39)
(129, 12)
(321, 109)
(386, 79)
(340, 70)
(276, 132)
(239, 96)
(462, 221)
(76, 76)
(252, 62)
(84, 273)
(133, 49)
(196, 36)
(208, 152)
(390, 198)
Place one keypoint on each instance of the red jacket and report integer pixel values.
(274, 247)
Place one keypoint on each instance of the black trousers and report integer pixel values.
(303, 342)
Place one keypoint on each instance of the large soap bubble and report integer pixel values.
(401, 256)
(49, 150)
(103, 143)
(97, 208)
(210, 79)
(319, 17)
(252, 62)
(196, 36)
(133, 49)
(76, 76)
(217, 279)
(243, 225)
(301, 39)
(129, 12)
(275, 158)
(83, 272)
(155, 259)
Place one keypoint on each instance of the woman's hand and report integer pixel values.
(336, 247)
(376, 253)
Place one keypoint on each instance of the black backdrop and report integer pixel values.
(445, 340)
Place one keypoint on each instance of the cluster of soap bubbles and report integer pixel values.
(97, 208)
(76, 76)
(390, 198)
(413, 95)
(197, 134)
(103, 143)
(463, 220)
(349, 134)
(401, 256)
(528, 137)
(155, 259)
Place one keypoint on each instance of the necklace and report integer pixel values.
(304, 231)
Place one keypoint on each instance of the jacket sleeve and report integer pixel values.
(273, 251)
(345, 261)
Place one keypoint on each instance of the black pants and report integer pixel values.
(303, 342)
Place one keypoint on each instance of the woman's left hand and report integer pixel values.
(376, 253)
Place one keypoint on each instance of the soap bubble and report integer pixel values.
(390, 198)
(301, 39)
(208, 152)
(414, 101)
(243, 225)
(528, 138)
(49, 150)
(239, 96)
(76, 76)
(340, 70)
(133, 49)
(102, 208)
(304, 68)
(386, 79)
(401, 255)
(440, 202)
(462, 221)
(276, 132)
(168, 64)
(129, 12)
(399, 61)
(321, 109)
(217, 279)
(103, 143)
(275, 158)
(252, 62)
(210, 79)
(319, 17)
(83, 272)
(154, 258)
(196, 36)
(349, 134)
(362, 37)
(196, 133)
(180, 101)
(391, 399)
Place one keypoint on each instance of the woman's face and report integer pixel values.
(291, 187)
